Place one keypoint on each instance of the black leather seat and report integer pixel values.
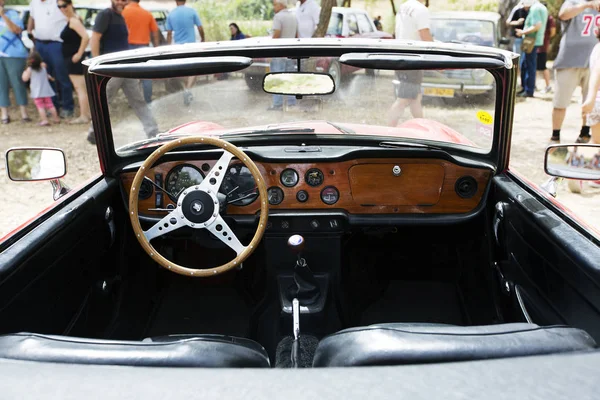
(397, 344)
(209, 351)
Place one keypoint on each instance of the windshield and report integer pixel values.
(446, 106)
(472, 31)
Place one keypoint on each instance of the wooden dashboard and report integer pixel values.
(364, 186)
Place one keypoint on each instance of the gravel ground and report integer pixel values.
(532, 128)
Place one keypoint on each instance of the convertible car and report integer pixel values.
(299, 242)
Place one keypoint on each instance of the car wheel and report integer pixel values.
(336, 73)
(254, 82)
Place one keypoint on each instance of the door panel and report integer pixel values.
(554, 266)
(48, 277)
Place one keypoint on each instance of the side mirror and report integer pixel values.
(504, 41)
(581, 161)
(35, 164)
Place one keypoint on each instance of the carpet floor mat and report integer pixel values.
(417, 301)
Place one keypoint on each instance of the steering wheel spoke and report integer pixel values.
(167, 224)
(221, 230)
(215, 176)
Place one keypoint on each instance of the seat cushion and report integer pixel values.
(191, 351)
(396, 344)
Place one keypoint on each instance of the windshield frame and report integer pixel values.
(505, 77)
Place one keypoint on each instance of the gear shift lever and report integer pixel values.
(305, 288)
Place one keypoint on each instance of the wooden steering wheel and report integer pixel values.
(198, 207)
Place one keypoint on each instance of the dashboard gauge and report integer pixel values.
(330, 195)
(239, 186)
(275, 195)
(146, 190)
(289, 177)
(302, 196)
(182, 177)
(314, 177)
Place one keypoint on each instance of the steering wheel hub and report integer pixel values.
(198, 207)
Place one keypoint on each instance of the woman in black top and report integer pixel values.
(75, 40)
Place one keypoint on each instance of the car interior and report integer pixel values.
(369, 255)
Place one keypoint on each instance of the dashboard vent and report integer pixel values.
(466, 187)
(146, 190)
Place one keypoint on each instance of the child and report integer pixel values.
(41, 91)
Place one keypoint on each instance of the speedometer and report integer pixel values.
(239, 186)
(182, 177)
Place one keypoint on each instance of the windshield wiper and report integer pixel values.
(273, 130)
(397, 145)
(341, 128)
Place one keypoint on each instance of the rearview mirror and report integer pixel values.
(581, 161)
(35, 164)
(298, 83)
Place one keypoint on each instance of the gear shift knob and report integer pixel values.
(296, 244)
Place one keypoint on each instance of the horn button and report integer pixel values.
(198, 206)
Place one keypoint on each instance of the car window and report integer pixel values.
(336, 24)
(472, 31)
(352, 25)
(161, 19)
(364, 24)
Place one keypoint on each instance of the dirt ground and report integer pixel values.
(531, 131)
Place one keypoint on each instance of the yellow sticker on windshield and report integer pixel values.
(485, 117)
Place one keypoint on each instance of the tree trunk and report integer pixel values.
(393, 7)
(347, 3)
(325, 16)
(504, 9)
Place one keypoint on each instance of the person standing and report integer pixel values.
(182, 21)
(75, 40)
(285, 26)
(110, 35)
(48, 21)
(412, 23)
(591, 105)
(41, 91)
(236, 33)
(142, 29)
(535, 26)
(542, 55)
(13, 56)
(571, 65)
(516, 20)
(307, 18)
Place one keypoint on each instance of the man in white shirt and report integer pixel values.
(48, 21)
(412, 23)
(307, 15)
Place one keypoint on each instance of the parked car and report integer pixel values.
(466, 27)
(361, 259)
(345, 22)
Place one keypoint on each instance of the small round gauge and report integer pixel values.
(330, 195)
(314, 177)
(302, 196)
(289, 177)
(275, 195)
(182, 177)
(239, 186)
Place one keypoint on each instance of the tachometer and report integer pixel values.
(289, 177)
(239, 186)
(182, 177)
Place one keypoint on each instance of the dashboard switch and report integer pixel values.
(334, 224)
(158, 203)
(285, 224)
(314, 224)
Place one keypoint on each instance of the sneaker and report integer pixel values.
(91, 137)
(524, 94)
(554, 140)
(187, 98)
(66, 113)
(547, 89)
(594, 184)
(583, 139)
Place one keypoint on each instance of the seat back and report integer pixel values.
(209, 351)
(396, 344)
